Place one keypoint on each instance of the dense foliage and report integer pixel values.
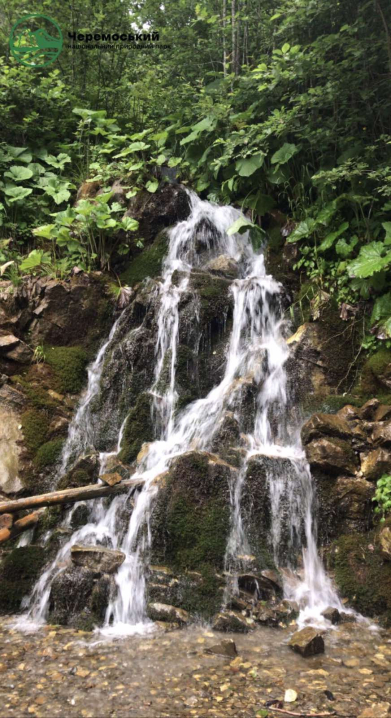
(281, 107)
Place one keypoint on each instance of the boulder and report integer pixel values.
(232, 621)
(276, 615)
(84, 472)
(97, 558)
(111, 479)
(349, 413)
(78, 598)
(369, 409)
(353, 503)
(307, 642)
(10, 449)
(385, 542)
(165, 612)
(320, 425)
(224, 648)
(331, 455)
(331, 614)
(382, 433)
(383, 412)
(8, 342)
(21, 354)
(376, 463)
(223, 265)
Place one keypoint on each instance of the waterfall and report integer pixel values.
(256, 353)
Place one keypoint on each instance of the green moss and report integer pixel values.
(35, 427)
(48, 453)
(197, 535)
(69, 366)
(74, 479)
(37, 396)
(369, 383)
(362, 575)
(148, 263)
(138, 429)
(205, 598)
(18, 573)
(51, 518)
(332, 403)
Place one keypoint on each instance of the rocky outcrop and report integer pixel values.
(97, 558)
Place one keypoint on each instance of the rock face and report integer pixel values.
(96, 558)
(10, 437)
(164, 612)
(385, 542)
(307, 642)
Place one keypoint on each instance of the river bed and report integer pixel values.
(63, 672)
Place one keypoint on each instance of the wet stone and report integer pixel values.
(224, 648)
(307, 642)
(331, 614)
(97, 558)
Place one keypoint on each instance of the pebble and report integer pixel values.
(59, 672)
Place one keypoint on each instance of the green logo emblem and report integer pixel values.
(36, 40)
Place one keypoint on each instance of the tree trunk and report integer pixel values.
(21, 525)
(386, 30)
(224, 38)
(68, 496)
(233, 50)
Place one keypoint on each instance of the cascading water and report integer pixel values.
(256, 354)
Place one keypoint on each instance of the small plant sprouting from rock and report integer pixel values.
(383, 496)
(39, 355)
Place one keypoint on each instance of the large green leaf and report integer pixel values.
(240, 226)
(369, 261)
(247, 166)
(129, 224)
(303, 230)
(261, 203)
(152, 186)
(59, 162)
(16, 193)
(387, 227)
(35, 259)
(330, 239)
(382, 308)
(343, 248)
(382, 314)
(284, 154)
(47, 231)
(18, 173)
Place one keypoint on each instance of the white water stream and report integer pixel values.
(256, 354)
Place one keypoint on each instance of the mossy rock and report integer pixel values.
(331, 404)
(362, 575)
(35, 427)
(38, 397)
(148, 263)
(49, 453)
(18, 573)
(202, 598)
(191, 517)
(371, 381)
(138, 429)
(69, 366)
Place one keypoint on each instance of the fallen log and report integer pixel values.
(69, 496)
(23, 524)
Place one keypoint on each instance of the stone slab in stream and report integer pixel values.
(307, 642)
(97, 558)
